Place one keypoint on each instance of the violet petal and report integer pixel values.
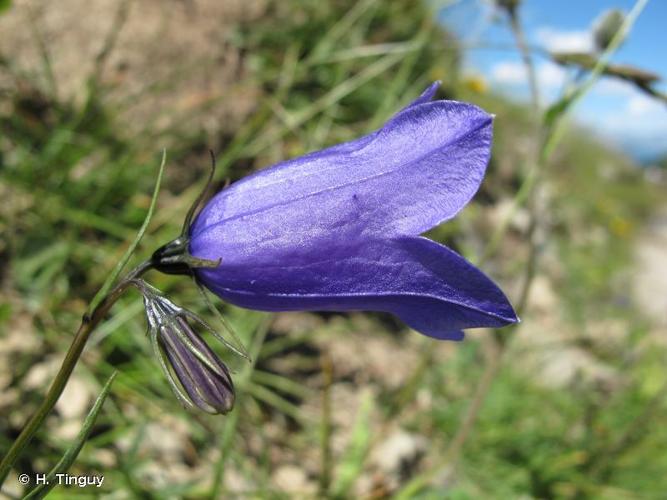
(417, 171)
(427, 285)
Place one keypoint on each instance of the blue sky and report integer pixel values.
(614, 110)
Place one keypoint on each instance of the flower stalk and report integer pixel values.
(546, 138)
(105, 298)
(88, 325)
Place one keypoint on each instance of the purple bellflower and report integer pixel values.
(338, 229)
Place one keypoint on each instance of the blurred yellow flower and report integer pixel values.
(476, 83)
(620, 226)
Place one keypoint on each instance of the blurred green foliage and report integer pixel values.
(75, 188)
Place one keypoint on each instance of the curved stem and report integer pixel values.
(527, 59)
(97, 309)
(88, 325)
(491, 369)
(547, 136)
(536, 163)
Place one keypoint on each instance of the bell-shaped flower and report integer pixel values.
(338, 229)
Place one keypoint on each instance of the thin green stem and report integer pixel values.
(548, 136)
(555, 127)
(527, 59)
(73, 451)
(326, 429)
(525, 194)
(231, 423)
(88, 324)
(99, 307)
(133, 246)
(491, 369)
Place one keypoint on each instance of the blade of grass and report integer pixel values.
(352, 461)
(75, 448)
(557, 126)
(327, 100)
(339, 30)
(91, 319)
(104, 290)
(230, 424)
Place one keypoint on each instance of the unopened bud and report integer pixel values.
(195, 373)
(605, 28)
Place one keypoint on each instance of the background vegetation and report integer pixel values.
(333, 405)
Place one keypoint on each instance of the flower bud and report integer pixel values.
(605, 28)
(207, 383)
(509, 5)
(195, 373)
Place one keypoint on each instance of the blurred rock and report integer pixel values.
(502, 210)
(293, 480)
(5, 380)
(551, 357)
(346, 404)
(650, 277)
(368, 354)
(543, 298)
(8, 398)
(166, 438)
(552, 351)
(12, 488)
(18, 340)
(609, 334)
(295, 323)
(562, 366)
(19, 335)
(157, 475)
(41, 374)
(76, 399)
(105, 457)
(163, 447)
(398, 456)
(67, 430)
(236, 482)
